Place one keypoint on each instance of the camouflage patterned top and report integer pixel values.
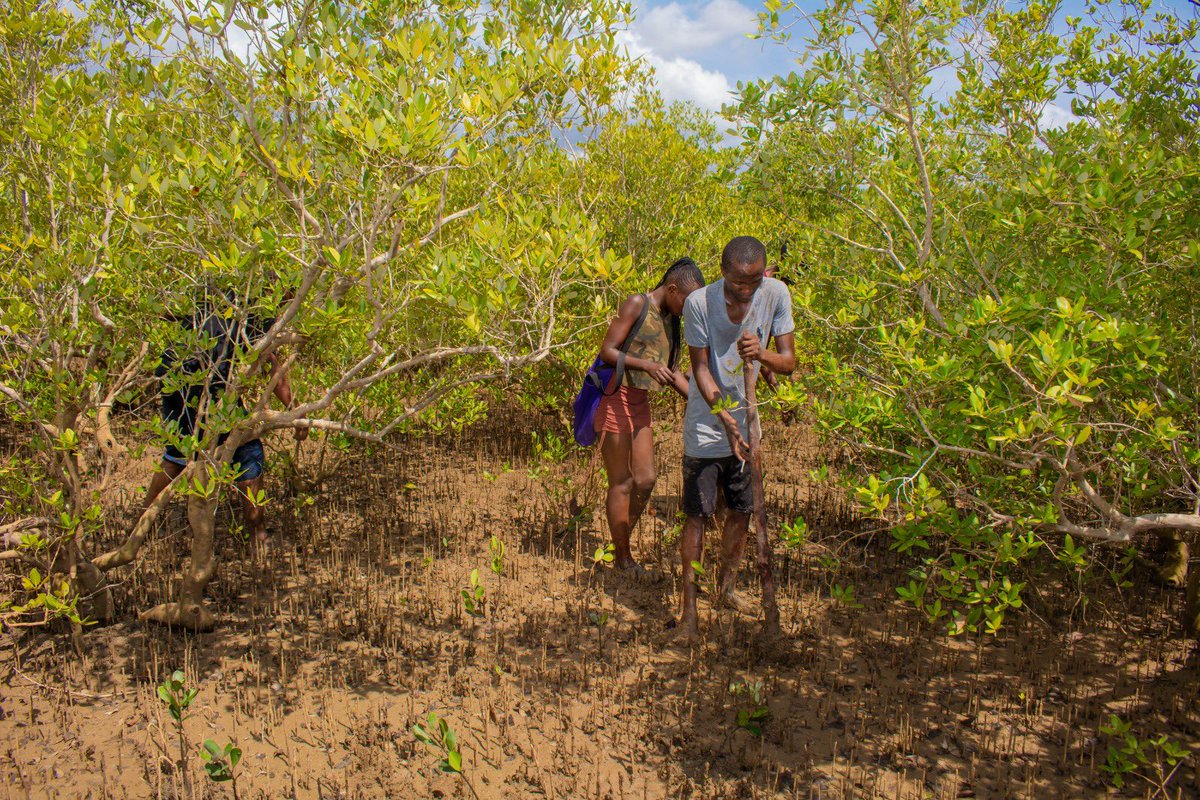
(652, 343)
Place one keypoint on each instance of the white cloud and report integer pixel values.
(678, 29)
(681, 78)
(1054, 116)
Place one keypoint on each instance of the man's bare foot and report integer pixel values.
(631, 568)
(260, 543)
(734, 602)
(686, 631)
(771, 640)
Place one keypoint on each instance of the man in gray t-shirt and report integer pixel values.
(727, 326)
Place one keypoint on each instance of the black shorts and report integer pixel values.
(702, 476)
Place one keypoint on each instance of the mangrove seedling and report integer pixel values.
(795, 534)
(754, 713)
(177, 697)
(603, 555)
(219, 763)
(437, 734)
(473, 596)
(496, 547)
(600, 620)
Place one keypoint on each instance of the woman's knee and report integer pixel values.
(621, 483)
(643, 481)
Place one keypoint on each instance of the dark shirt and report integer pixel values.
(210, 344)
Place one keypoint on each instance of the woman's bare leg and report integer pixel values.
(644, 472)
(615, 449)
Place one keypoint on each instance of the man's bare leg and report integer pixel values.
(733, 546)
(251, 512)
(168, 471)
(691, 543)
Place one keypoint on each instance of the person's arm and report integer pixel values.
(283, 391)
(707, 385)
(679, 382)
(618, 329)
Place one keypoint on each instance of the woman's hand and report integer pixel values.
(660, 373)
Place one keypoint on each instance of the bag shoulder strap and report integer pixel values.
(619, 374)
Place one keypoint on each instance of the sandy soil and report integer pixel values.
(352, 629)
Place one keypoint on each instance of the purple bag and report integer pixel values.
(600, 381)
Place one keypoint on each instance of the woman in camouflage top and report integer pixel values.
(623, 418)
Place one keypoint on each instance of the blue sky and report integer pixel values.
(699, 48)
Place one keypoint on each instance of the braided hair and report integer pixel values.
(685, 274)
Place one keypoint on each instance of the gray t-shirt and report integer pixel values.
(706, 324)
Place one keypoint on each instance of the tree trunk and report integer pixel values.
(96, 595)
(190, 612)
(1173, 570)
(1191, 608)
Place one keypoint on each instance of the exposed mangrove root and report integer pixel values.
(1191, 607)
(97, 599)
(1173, 571)
(194, 617)
(132, 545)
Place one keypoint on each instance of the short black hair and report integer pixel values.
(683, 273)
(743, 251)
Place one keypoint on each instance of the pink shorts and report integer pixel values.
(624, 411)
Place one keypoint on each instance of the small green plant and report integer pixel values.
(795, 534)
(437, 734)
(600, 620)
(1154, 760)
(550, 447)
(671, 535)
(724, 404)
(753, 714)
(472, 596)
(1120, 573)
(178, 698)
(829, 563)
(845, 595)
(54, 599)
(496, 548)
(1071, 555)
(220, 762)
(303, 500)
(603, 555)
(705, 583)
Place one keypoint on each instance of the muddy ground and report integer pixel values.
(352, 629)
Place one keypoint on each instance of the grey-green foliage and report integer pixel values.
(995, 314)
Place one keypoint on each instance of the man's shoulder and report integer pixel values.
(697, 301)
